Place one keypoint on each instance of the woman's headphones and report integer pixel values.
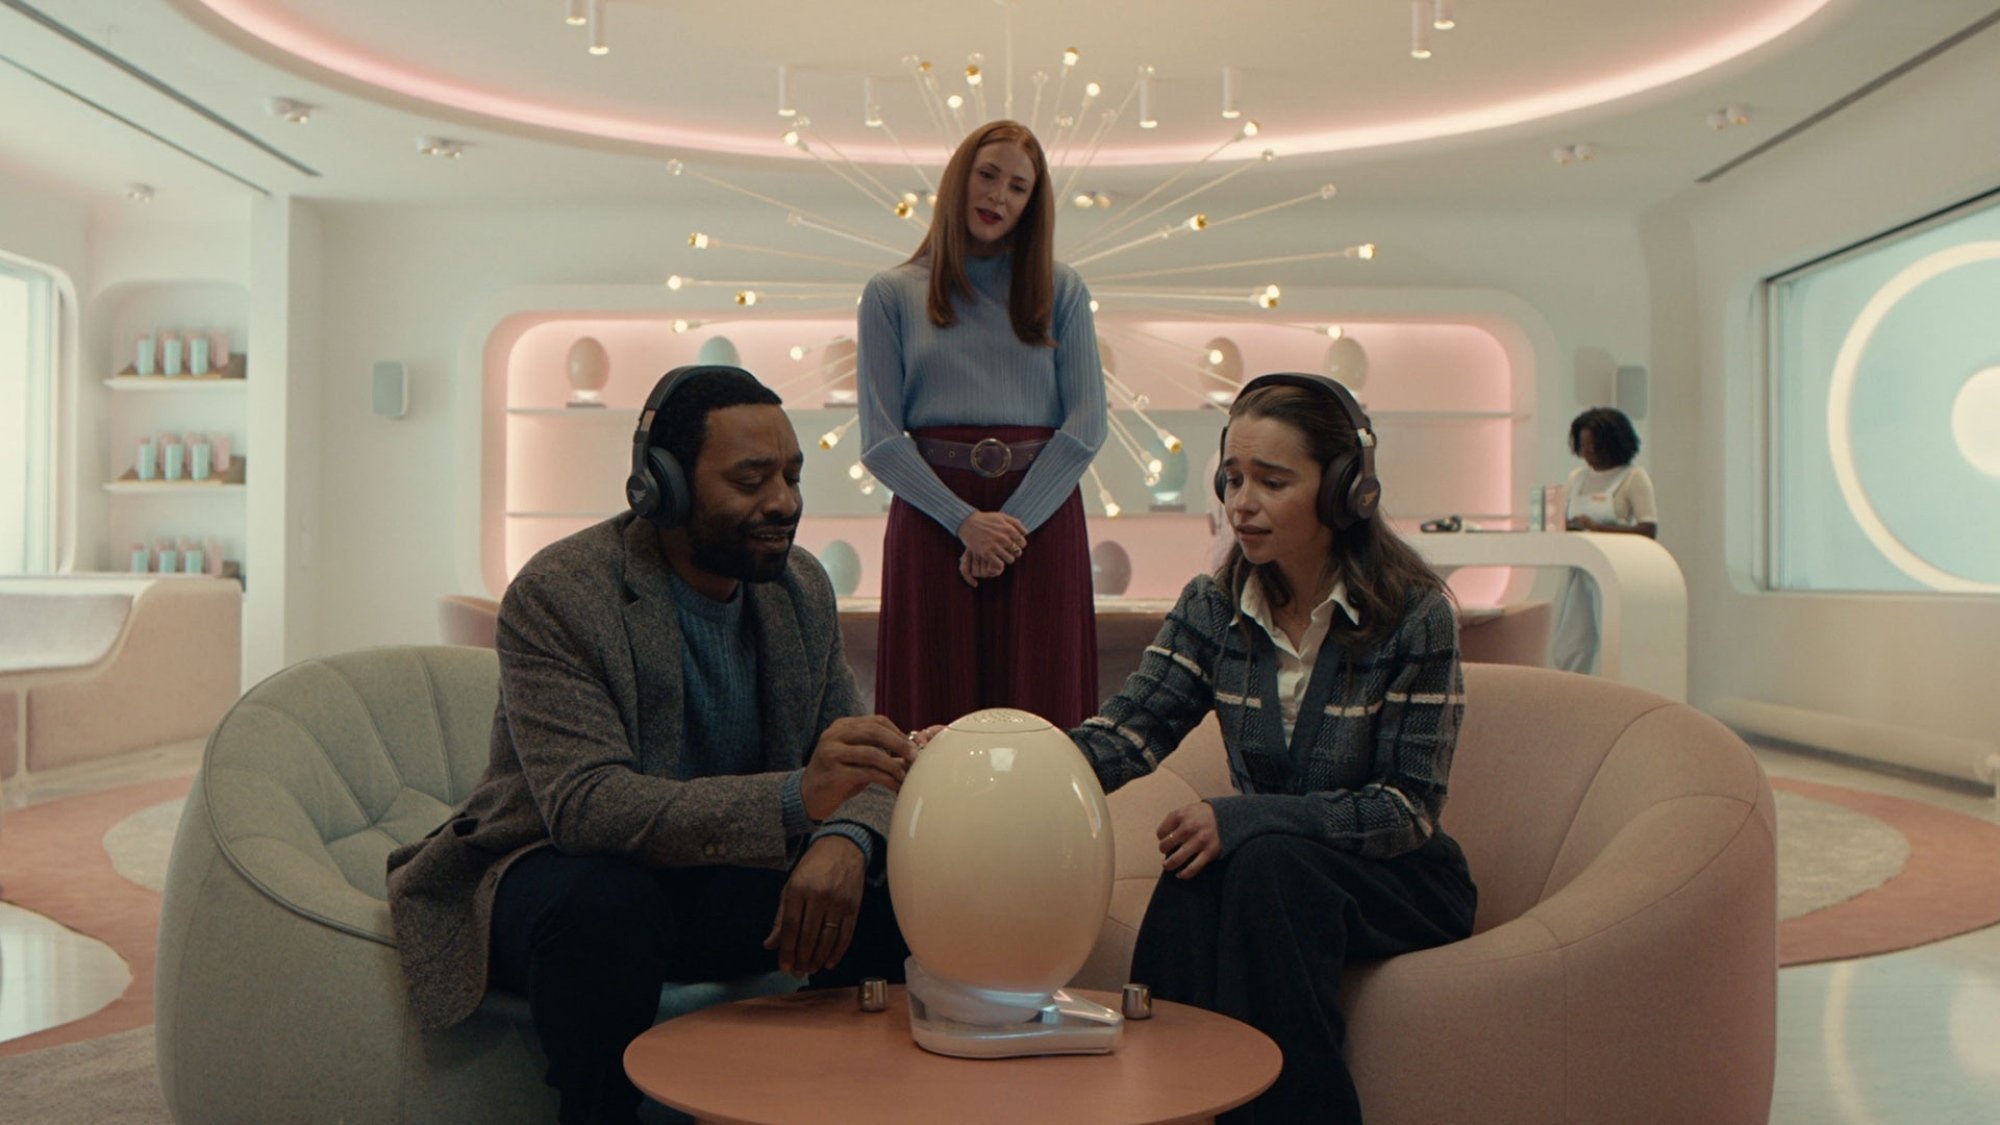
(1348, 488)
(658, 487)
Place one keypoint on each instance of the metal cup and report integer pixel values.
(1138, 1002)
(873, 994)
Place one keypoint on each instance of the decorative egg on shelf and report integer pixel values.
(1000, 868)
(589, 369)
(1110, 568)
(718, 351)
(1347, 362)
(843, 567)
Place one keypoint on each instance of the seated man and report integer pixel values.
(680, 787)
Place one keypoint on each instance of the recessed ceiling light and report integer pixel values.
(442, 147)
(290, 109)
(139, 193)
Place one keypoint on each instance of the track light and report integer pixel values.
(1441, 17)
(785, 106)
(1420, 29)
(1146, 118)
(573, 14)
(442, 147)
(139, 193)
(871, 110)
(598, 44)
(1230, 109)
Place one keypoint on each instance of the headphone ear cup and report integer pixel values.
(1335, 480)
(1222, 481)
(669, 485)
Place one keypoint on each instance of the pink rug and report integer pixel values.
(1950, 886)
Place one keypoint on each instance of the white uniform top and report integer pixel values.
(1622, 496)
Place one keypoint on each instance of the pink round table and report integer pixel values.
(815, 1056)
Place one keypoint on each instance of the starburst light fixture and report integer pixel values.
(955, 101)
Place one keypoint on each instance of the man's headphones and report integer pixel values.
(1348, 488)
(658, 488)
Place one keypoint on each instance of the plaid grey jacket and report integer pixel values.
(1365, 769)
(586, 746)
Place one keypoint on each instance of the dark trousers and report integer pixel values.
(589, 940)
(1262, 935)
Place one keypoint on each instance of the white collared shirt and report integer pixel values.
(1295, 663)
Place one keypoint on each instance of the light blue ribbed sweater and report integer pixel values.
(913, 374)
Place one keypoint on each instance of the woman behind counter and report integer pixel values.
(982, 403)
(1607, 493)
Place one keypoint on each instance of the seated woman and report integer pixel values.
(1329, 652)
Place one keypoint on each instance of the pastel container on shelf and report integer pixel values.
(146, 460)
(218, 454)
(218, 348)
(166, 557)
(843, 567)
(212, 553)
(191, 557)
(142, 558)
(170, 354)
(199, 455)
(197, 346)
(172, 459)
(588, 366)
(145, 362)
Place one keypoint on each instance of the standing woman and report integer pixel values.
(982, 403)
(1608, 493)
(1328, 651)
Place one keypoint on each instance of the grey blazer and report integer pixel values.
(586, 740)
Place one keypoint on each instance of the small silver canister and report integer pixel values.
(1138, 1002)
(873, 994)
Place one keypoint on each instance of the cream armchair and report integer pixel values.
(1624, 963)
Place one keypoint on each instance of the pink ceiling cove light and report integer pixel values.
(271, 23)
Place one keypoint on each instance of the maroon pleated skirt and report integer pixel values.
(1027, 639)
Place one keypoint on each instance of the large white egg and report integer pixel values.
(1000, 858)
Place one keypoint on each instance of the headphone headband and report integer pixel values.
(1349, 489)
(658, 487)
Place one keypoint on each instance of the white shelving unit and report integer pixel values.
(133, 406)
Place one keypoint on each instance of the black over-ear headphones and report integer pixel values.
(658, 488)
(1348, 488)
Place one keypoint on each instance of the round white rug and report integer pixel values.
(1828, 854)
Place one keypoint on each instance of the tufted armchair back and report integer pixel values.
(278, 992)
(329, 765)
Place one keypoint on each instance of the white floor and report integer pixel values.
(1905, 1037)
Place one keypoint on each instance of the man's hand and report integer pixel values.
(1584, 523)
(854, 753)
(816, 911)
(1189, 839)
(993, 538)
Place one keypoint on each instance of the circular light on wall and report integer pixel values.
(1840, 414)
(1975, 421)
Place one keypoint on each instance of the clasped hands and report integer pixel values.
(993, 542)
(822, 899)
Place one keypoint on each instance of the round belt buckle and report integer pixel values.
(991, 457)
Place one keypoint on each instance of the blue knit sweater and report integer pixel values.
(719, 683)
(913, 374)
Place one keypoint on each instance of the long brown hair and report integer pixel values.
(1031, 298)
(1379, 569)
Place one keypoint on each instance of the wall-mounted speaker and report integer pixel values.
(390, 393)
(1632, 390)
